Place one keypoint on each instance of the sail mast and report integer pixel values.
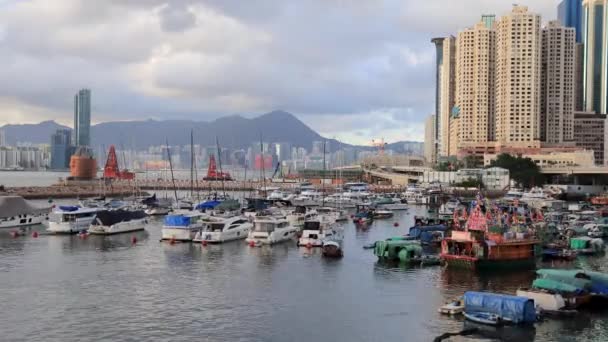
(171, 167)
(219, 164)
(191, 164)
(323, 178)
(263, 170)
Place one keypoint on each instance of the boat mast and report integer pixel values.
(171, 167)
(323, 177)
(219, 164)
(191, 164)
(263, 170)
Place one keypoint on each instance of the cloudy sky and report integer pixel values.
(351, 69)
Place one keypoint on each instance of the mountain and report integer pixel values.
(35, 133)
(232, 132)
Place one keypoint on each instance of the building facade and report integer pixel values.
(429, 140)
(557, 84)
(448, 93)
(82, 118)
(475, 58)
(570, 14)
(438, 91)
(61, 148)
(595, 39)
(590, 134)
(518, 77)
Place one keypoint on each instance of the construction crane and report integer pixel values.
(379, 145)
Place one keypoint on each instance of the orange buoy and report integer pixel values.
(133, 239)
(396, 224)
(204, 243)
(35, 234)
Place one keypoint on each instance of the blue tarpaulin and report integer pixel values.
(207, 205)
(425, 233)
(68, 207)
(513, 308)
(177, 220)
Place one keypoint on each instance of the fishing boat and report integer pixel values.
(494, 308)
(455, 307)
(182, 226)
(397, 250)
(547, 302)
(223, 229)
(16, 212)
(108, 222)
(483, 318)
(269, 230)
(71, 219)
(481, 246)
(383, 214)
(599, 200)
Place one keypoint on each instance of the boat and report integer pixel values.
(213, 174)
(483, 318)
(383, 214)
(397, 250)
(316, 231)
(585, 245)
(546, 302)
(182, 226)
(536, 193)
(307, 198)
(599, 200)
(455, 307)
(71, 219)
(492, 308)
(16, 212)
(484, 246)
(223, 229)
(428, 234)
(269, 230)
(332, 249)
(108, 222)
(513, 194)
(364, 215)
(389, 203)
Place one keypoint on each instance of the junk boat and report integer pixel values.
(108, 222)
(481, 246)
(223, 229)
(182, 226)
(268, 230)
(16, 212)
(71, 219)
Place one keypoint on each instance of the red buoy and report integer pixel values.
(309, 245)
(133, 239)
(352, 216)
(14, 233)
(172, 240)
(251, 243)
(396, 224)
(35, 234)
(204, 243)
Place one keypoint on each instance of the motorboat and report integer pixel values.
(157, 211)
(513, 194)
(222, 229)
(535, 193)
(383, 214)
(317, 230)
(71, 219)
(108, 222)
(307, 198)
(182, 226)
(16, 212)
(332, 249)
(268, 230)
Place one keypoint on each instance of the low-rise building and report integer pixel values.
(590, 133)
(584, 158)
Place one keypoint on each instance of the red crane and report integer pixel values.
(111, 169)
(213, 174)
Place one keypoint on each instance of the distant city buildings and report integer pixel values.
(429, 140)
(595, 40)
(2, 138)
(82, 118)
(589, 133)
(570, 14)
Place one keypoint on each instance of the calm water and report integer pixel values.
(63, 288)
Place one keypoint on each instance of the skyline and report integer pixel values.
(204, 59)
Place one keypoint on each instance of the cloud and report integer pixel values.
(353, 68)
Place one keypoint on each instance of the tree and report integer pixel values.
(522, 170)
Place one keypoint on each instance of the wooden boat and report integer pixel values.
(600, 200)
(453, 308)
(483, 318)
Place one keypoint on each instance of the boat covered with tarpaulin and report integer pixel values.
(509, 308)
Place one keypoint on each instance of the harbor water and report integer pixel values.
(66, 288)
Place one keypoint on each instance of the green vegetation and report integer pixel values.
(522, 170)
(470, 183)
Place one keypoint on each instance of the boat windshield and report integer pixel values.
(215, 227)
(312, 225)
(264, 226)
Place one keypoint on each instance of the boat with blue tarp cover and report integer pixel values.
(428, 235)
(182, 226)
(512, 309)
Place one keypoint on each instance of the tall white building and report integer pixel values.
(448, 93)
(518, 77)
(475, 77)
(429, 140)
(557, 84)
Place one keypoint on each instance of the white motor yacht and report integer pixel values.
(223, 229)
(307, 198)
(182, 226)
(268, 230)
(71, 219)
(16, 212)
(108, 222)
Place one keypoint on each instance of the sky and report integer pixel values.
(355, 70)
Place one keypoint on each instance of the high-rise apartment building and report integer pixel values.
(590, 133)
(557, 84)
(2, 138)
(475, 59)
(82, 118)
(579, 76)
(429, 140)
(595, 39)
(518, 76)
(448, 93)
(570, 14)
(438, 92)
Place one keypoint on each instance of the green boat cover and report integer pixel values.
(595, 277)
(390, 249)
(580, 242)
(554, 285)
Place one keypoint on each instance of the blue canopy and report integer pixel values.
(69, 207)
(426, 232)
(177, 220)
(513, 308)
(207, 205)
